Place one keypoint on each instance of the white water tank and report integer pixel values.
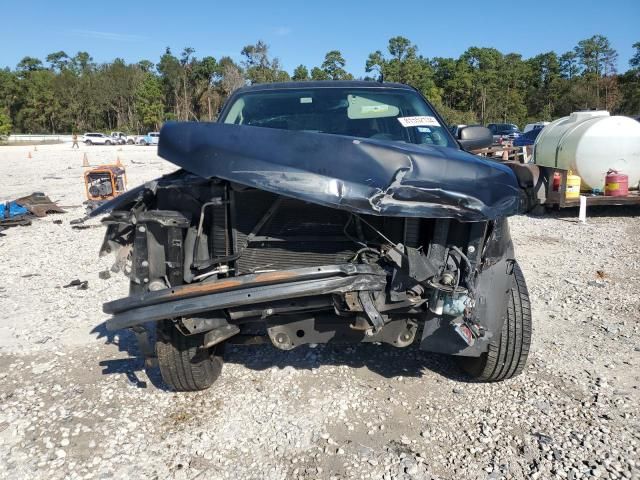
(589, 144)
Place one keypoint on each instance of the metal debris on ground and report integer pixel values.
(39, 204)
(19, 212)
(81, 284)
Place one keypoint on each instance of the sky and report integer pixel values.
(301, 32)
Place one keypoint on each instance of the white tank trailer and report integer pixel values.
(589, 144)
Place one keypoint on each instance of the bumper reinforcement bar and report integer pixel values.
(246, 290)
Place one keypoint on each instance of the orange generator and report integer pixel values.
(105, 182)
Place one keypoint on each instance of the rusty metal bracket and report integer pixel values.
(371, 312)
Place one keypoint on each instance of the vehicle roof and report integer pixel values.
(323, 84)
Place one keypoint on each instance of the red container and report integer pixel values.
(616, 184)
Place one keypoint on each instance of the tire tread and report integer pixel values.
(183, 365)
(507, 353)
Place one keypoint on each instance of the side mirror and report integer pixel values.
(475, 138)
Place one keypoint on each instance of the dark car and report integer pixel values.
(528, 138)
(321, 212)
(503, 131)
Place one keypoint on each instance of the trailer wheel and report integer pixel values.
(508, 352)
(184, 365)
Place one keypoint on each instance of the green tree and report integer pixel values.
(259, 68)
(319, 74)
(74, 93)
(82, 62)
(634, 63)
(230, 77)
(300, 74)
(118, 84)
(509, 101)
(171, 75)
(483, 64)
(569, 65)
(404, 66)
(597, 58)
(146, 65)
(149, 103)
(596, 55)
(38, 106)
(543, 85)
(30, 64)
(454, 79)
(58, 60)
(5, 124)
(333, 66)
(9, 96)
(630, 85)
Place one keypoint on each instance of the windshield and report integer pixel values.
(381, 114)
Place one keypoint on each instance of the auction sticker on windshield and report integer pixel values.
(421, 121)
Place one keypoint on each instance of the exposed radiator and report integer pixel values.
(296, 234)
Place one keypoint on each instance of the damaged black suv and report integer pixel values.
(321, 212)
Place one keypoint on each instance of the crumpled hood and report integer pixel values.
(359, 175)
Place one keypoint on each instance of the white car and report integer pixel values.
(98, 139)
(150, 138)
(122, 138)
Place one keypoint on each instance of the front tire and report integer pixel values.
(184, 365)
(508, 352)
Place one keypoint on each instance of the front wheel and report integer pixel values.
(129, 142)
(186, 366)
(508, 352)
(87, 142)
(143, 143)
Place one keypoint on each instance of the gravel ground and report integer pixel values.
(75, 402)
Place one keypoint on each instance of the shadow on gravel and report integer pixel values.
(126, 342)
(383, 360)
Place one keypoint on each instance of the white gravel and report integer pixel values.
(76, 403)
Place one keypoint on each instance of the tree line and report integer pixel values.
(67, 93)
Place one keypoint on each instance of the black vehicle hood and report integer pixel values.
(359, 175)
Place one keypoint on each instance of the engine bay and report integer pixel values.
(217, 257)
